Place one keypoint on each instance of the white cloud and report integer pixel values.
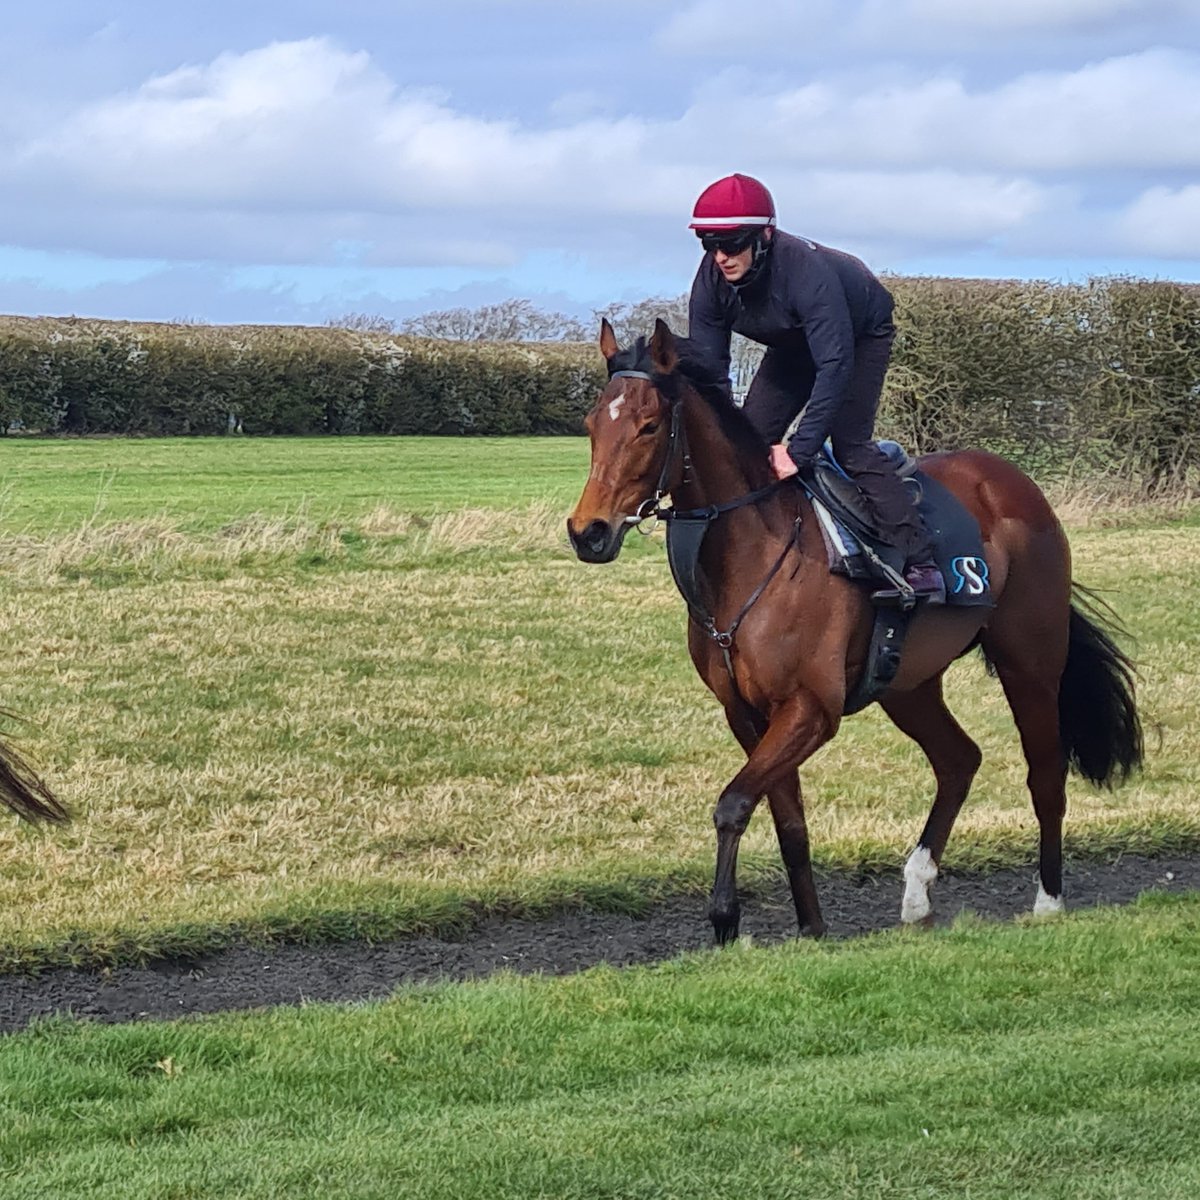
(934, 207)
(1164, 222)
(307, 126)
(303, 152)
(244, 126)
(771, 29)
(1124, 114)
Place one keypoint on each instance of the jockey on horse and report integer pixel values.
(826, 321)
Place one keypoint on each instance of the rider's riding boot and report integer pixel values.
(922, 581)
(926, 580)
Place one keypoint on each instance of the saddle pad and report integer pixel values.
(958, 547)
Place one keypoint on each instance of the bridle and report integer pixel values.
(652, 507)
(686, 527)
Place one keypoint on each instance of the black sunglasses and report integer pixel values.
(727, 243)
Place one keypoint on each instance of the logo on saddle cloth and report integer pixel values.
(970, 575)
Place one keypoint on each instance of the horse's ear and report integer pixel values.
(663, 354)
(608, 339)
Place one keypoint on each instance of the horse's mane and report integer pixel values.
(707, 380)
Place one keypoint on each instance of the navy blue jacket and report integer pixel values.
(808, 300)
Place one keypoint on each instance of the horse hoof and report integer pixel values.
(916, 911)
(928, 921)
(1046, 905)
(725, 930)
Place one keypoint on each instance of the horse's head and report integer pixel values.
(632, 445)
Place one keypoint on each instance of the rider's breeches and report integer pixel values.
(777, 396)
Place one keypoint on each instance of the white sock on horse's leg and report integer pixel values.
(919, 874)
(1046, 905)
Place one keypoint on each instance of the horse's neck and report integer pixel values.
(746, 539)
(718, 471)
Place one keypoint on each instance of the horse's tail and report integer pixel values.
(1098, 721)
(25, 792)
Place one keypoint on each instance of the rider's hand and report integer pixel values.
(781, 462)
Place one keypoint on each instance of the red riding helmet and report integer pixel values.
(731, 203)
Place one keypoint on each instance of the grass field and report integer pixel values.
(203, 484)
(336, 687)
(1037, 1061)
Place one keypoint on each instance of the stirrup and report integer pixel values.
(901, 595)
(904, 600)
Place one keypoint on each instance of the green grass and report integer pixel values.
(203, 483)
(1041, 1061)
(281, 720)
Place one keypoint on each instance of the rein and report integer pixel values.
(686, 529)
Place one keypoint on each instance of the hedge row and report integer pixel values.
(81, 376)
(1103, 375)
(1097, 376)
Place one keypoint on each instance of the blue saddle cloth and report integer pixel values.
(958, 546)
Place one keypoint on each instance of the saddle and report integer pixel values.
(857, 551)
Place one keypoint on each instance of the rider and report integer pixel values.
(826, 321)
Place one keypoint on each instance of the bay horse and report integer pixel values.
(787, 640)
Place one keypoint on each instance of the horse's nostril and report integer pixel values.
(593, 541)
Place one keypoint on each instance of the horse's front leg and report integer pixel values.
(791, 828)
(796, 729)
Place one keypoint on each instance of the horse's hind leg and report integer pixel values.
(1026, 644)
(1033, 697)
(954, 757)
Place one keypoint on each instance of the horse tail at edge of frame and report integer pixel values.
(1099, 726)
(24, 791)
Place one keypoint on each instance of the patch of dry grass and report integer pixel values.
(286, 720)
(1100, 503)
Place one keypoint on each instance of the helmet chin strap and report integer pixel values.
(762, 247)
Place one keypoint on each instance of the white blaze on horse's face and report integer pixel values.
(628, 430)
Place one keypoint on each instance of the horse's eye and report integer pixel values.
(646, 430)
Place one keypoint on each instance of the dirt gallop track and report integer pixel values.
(245, 978)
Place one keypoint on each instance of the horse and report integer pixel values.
(786, 640)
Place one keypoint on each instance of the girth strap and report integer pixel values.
(883, 658)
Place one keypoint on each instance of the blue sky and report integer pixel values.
(293, 162)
